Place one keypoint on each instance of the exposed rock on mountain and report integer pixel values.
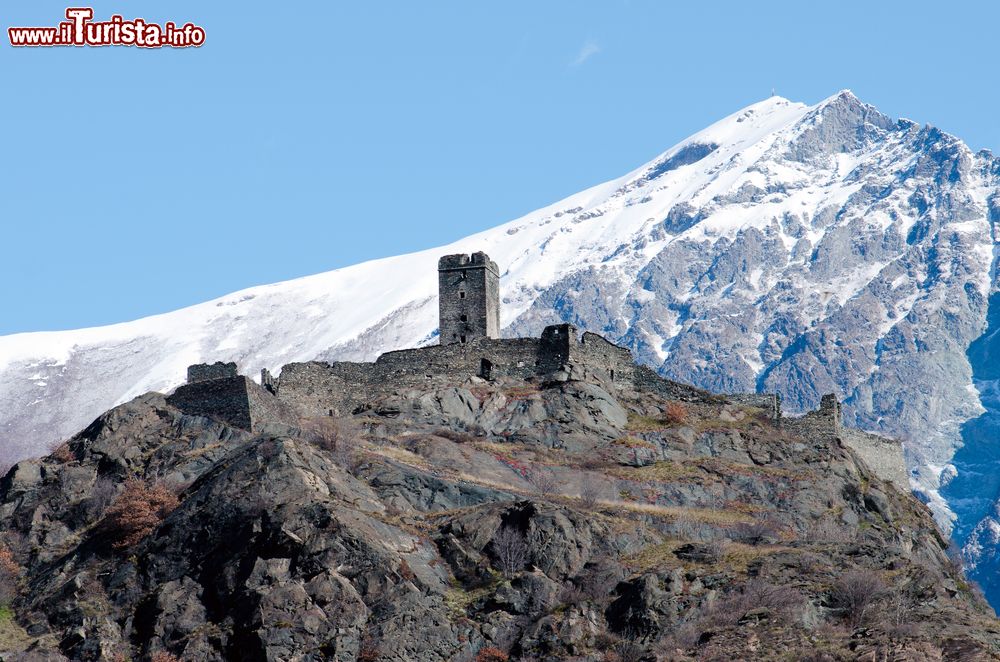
(788, 248)
(449, 524)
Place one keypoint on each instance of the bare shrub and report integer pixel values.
(595, 583)
(137, 511)
(337, 436)
(826, 530)
(757, 532)
(783, 602)
(590, 493)
(511, 551)
(675, 413)
(625, 649)
(544, 481)
(898, 609)
(102, 494)
(491, 654)
(855, 594)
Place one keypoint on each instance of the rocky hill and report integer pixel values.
(484, 520)
(787, 248)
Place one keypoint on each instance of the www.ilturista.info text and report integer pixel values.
(81, 30)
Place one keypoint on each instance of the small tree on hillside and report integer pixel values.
(511, 551)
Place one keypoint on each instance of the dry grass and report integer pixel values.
(521, 392)
(457, 600)
(634, 442)
(13, 638)
(402, 456)
(640, 423)
(659, 555)
(665, 471)
(722, 517)
(735, 556)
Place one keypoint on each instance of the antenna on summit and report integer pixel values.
(773, 93)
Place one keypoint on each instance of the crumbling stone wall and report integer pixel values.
(238, 401)
(341, 388)
(884, 456)
(206, 371)
(769, 402)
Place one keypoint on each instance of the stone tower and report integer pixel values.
(469, 289)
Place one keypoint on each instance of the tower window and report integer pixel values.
(463, 340)
(465, 318)
(461, 295)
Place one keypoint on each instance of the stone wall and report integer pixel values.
(238, 401)
(769, 402)
(205, 371)
(883, 456)
(341, 388)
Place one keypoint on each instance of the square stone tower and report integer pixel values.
(469, 290)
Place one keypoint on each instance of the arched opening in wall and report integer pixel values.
(461, 294)
(462, 339)
(612, 375)
(485, 369)
(465, 318)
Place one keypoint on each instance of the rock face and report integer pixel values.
(547, 521)
(787, 248)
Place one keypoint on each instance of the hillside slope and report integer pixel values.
(543, 520)
(789, 248)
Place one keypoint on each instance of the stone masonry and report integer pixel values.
(204, 371)
(469, 295)
(471, 349)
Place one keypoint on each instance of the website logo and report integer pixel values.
(81, 30)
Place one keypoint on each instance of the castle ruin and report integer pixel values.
(469, 298)
(470, 347)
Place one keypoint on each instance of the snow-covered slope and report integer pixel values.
(790, 248)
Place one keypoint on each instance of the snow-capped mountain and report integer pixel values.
(791, 248)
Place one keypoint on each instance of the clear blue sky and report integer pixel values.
(312, 135)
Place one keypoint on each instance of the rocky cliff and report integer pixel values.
(486, 520)
(787, 248)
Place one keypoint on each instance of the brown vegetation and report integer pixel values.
(491, 654)
(675, 413)
(62, 453)
(137, 511)
(10, 571)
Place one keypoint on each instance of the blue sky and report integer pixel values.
(312, 136)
